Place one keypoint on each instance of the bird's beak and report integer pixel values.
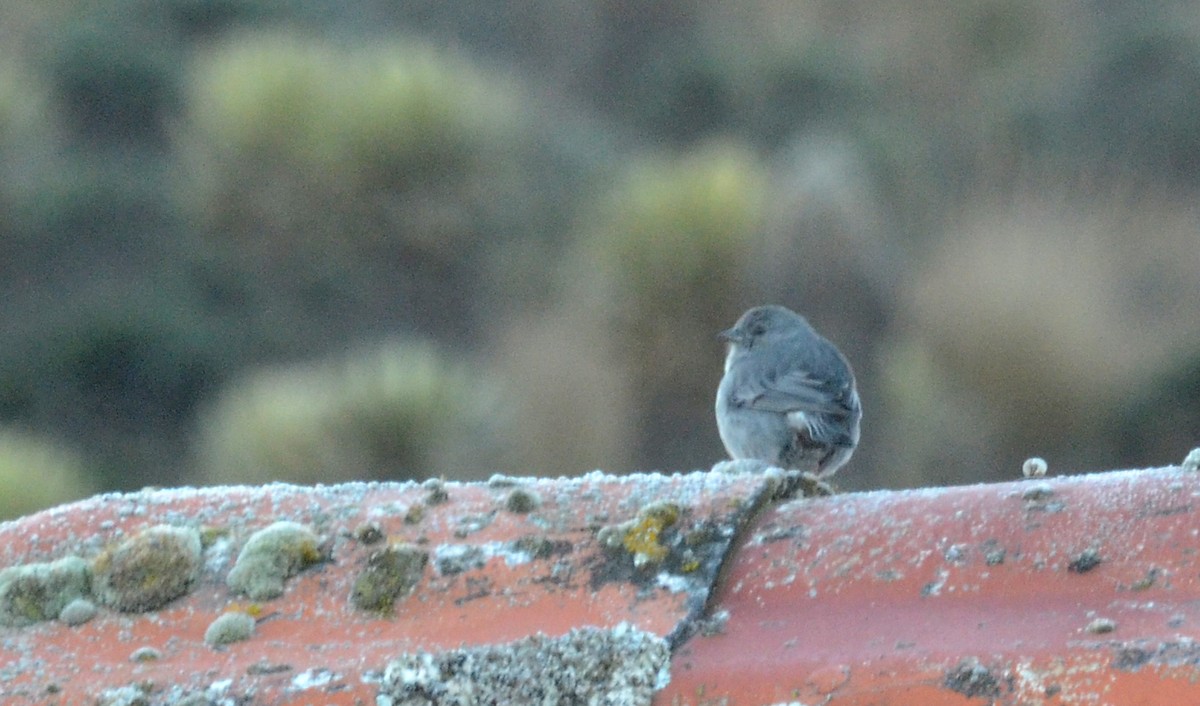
(731, 335)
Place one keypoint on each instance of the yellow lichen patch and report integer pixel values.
(254, 610)
(642, 537)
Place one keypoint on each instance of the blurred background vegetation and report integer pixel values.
(249, 240)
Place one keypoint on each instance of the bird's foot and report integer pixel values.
(811, 485)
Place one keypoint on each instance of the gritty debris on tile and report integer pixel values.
(1086, 560)
(972, 679)
(1099, 626)
(437, 493)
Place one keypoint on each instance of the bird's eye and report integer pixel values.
(757, 329)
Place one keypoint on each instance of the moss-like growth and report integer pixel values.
(211, 535)
(522, 501)
(453, 559)
(149, 569)
(137, 694)
(145, 654)
(369, 533)
(229, 627)
(437, 491)
(391, 573)
(271, 556)
(1085, 561)
(36, 592)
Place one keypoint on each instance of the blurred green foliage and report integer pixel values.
(659, 261)
(205, 203)
(395, 410)
(671, 229)
(37, 472)
(390, 114)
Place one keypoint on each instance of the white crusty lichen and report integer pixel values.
(621, 666)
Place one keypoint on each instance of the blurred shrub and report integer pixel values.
(763, 91)
(568, 392)
(927, 429)
(370, 181)
(205, 18)
(1138, 106)
(1059, 311)
(115, 75)
(36, 473)
(116, 368)
(22, 106)
(389, 115)
(659, 266)
(27, 144)
(397, 411)
(672, 232)
(1163, 418)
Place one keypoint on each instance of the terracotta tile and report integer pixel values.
(1083, 589)
(1068, 590)
(499, 561)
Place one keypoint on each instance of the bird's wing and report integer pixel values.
(796, 390)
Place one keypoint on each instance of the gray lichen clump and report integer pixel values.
(77, 612)
(148, 570)
(391, 573)
(36, 592)
(522, 501)
(229, 627)
(271, 556)
(622, 666)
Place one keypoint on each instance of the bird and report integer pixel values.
(788, 396)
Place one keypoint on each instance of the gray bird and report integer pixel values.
(788, 396)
